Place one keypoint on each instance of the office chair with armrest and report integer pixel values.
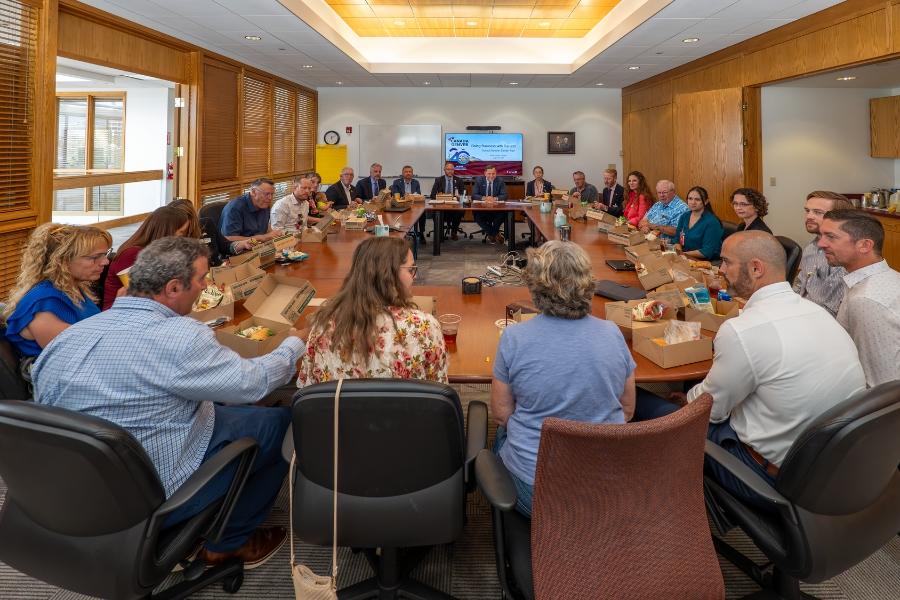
(835, 501)
(618, 512)
(12, 386)
(85, 508)
(213, 211)
(406, 462)
(728, 227)
(794, 252)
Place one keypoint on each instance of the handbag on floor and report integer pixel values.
(308, 585)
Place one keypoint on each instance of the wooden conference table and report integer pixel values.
(472, 358)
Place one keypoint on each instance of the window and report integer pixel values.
(90, 139)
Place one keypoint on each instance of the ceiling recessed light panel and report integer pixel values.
(252, 38)
(690, 40)
(848, 78)
(633, 68)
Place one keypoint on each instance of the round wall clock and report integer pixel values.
(332, 137)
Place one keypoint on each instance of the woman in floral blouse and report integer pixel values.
(372, 328)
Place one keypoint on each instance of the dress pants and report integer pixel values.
(490, 222)
(267, 425)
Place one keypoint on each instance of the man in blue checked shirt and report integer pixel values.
(664, 214)
(153, 371)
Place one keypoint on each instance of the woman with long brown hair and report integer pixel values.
(638, 197)
(371, 327)
(53, 290)
(162, 222)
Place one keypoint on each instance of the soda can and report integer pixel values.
(724, 296)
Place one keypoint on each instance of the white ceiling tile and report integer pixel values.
(805, 8)
(255, 7)
(694, 9)
(754, 10)
(763, 26)
(188, 8)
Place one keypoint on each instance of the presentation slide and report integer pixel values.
(472, 152)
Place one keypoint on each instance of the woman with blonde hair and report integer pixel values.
(563, 363)
(54, 286)
(163, 222)
(371, 327)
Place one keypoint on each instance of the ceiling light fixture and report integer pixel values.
(471, 23)
(690, 40)
(252, 38)
(545, 23)
(849, 78)
(307, 66)
(427, 83)
(339, 82)
(598, 84)
(633, 68)
(399, 23)
(513, 83)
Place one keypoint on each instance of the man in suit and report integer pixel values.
(342, 193)
(406, 184)
(490, 190)
(613, 199)
(368, 188)
(448, 183)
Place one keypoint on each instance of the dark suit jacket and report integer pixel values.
(529, 188)
(398, 188)
(440, 185)
(336, 194)
(616, 205)
(364, 187)
(479, 190)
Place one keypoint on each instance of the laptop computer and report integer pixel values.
(617, 291)
(620, 265)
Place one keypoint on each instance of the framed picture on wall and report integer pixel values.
(560, 142)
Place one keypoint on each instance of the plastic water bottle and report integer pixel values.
(462, 198)
(560, 218)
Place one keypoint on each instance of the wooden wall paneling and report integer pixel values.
(752, 137)
(219, 123)
(256, 127)
(657, 95)
(82, 37)
(187, 132)
(891, 250)
(652, 144)
(884, 115)
(724, 74)
(895, 27)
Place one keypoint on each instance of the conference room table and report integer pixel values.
(511, 208)
(472, 356)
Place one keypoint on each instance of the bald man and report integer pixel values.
(770, 376)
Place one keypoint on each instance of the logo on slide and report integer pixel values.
(460, 157)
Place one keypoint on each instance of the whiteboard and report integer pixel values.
(394, 146)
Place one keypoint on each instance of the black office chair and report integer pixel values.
(85, 507)
(793, 251)
(406, 462)
(728, 227)
(213, 211)
(12, 386)
(836, 499)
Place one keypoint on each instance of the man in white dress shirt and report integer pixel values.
(777, 366)
(291, 211)
(870, 310)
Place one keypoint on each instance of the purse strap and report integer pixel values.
(334, 569)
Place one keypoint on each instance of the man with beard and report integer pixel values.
(770, 377)
(817, 280)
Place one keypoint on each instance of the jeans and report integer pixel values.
(267, 425)
(524, 491)
(650, 406)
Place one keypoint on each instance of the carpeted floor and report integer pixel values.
(466, 569)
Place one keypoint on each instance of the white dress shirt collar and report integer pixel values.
(773, 289)
(860, 275)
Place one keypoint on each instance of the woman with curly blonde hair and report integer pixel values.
(54, 287)
(563, 363)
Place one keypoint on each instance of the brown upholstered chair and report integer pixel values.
(618, 512)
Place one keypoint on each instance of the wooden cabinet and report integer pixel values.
(884, 114)
(891, 250)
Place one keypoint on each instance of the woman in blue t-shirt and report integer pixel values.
(54, 287)
(534, 374)
(699, 231)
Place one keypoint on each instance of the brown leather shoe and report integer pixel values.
(491, 239)
(500, 238)
(260, 547)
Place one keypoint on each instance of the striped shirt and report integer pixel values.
(155, 373)
(817, 280)
(870, 312)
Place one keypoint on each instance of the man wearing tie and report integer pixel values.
(448, 183)
(342, 193)
(491, 190)
(368, 188)
(613, 194)
(406, 184)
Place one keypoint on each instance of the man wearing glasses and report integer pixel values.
(247, 216)
(817, 280)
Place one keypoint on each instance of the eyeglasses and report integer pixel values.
(413, 269)
(95, 258)
(815, 211)
(741, 204)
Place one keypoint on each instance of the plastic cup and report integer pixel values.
(123, 276)
(449, 327)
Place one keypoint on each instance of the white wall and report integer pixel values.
(595, 115)
(817, 139)
(147, 123)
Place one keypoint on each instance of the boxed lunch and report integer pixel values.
(274, 307)
(722, 311)
(427, 304)
(319, 231)
(651, 342)
(213, 304)
(355, 223)
(634, 253)
(521, 311)
(622, 314)
(626, 237)
(653, 271)
(239, 279)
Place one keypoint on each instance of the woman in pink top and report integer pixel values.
(639, 198)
